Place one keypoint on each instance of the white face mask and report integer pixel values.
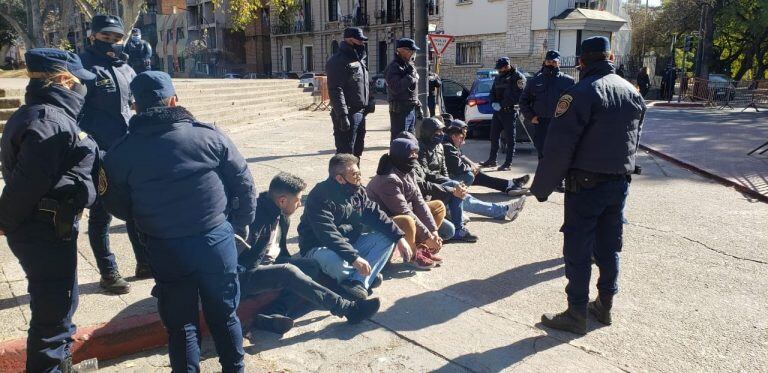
(136, 38)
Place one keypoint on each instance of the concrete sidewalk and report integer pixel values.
(693, 269)
(715, 141)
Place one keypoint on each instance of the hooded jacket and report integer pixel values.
(177, 177)
(431, 154)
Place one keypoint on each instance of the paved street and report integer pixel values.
(693, 283)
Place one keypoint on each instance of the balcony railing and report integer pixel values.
(297, 27)
(352, 20)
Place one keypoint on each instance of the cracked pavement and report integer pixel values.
(692, 281)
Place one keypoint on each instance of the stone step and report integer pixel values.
(233, 92)
(237, 84)
(199, 105)
(6, 113)
(248, 117)
(10, 102)
(11, 92)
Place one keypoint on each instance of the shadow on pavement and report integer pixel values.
(83, 289)
(320, 152)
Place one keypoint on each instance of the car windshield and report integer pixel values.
(307, 76)
(483, 86)
(718, 79)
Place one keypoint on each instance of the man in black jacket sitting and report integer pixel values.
(269, 266)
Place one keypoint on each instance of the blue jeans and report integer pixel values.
(50, 265)
(593, 226)
(374, 247)
(476, 206)
(446, 230)
(201, 267)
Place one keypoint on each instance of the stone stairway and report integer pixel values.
(225, 102)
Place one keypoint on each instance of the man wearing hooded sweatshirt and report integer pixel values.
(349, 92)
(435, 169)
(395, 189)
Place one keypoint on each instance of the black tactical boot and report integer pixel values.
(277, 324)
(601, 308)
(362, 310)
(571, 320)
(114, 283)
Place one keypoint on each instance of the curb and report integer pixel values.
(709, 175)
(682, 105)
(121, 337)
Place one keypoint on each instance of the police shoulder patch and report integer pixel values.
(521, 83)
(82, 135)
(563, 105)
(102, 184)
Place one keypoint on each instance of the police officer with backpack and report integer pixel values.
(48, 163)
(105, 117)
(592, 142)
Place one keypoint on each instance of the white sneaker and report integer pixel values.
(514, 208)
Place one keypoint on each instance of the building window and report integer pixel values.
(434, 8)
(468, 53)
(334, 47)
(586, 4)
(179, 33)
(182, 67)
(287, 59)
(461, 2)
(309, 63)
(333, 10)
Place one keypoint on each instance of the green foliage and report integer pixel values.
(243, 12)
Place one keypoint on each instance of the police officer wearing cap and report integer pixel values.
(540, 96)
(349, 92)
(592, 143)
(403, 89)
(139, 52)
(182, 182)
(505, 94)
(105, 117)
(48, 163)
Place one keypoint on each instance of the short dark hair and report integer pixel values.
(285, 183)
(592, 57)
(340, 162)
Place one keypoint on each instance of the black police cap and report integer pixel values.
(107, 23)
(408, 44)
(355, 33)
(50, 60)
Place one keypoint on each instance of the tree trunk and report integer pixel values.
(34, 24)
(130, 14)
(707, 42)
(65, 21)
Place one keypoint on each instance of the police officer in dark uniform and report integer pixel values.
(182, 182)
(540, 96)
(592, 142)
(139, 52)
(403, 89)
(505, 94)
(48, 163)
(350, 92)
(105, 117)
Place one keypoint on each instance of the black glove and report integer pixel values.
(371, 108)
(342, 123)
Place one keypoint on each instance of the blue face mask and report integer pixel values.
(135, 38)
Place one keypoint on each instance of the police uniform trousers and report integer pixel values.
(351, 141)
(98, 236)
(203, 267)
(50, 265)
(540, 135)
(402, 117)
(593, 226)
(503, 120)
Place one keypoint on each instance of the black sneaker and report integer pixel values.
(504, 167)
(377, 281)
(516, 191)
(355, 289)
(114, 283)
(143, 271)
(522, 180)
(488, 163)
(277, 324)
(464, 235)
(362, 310)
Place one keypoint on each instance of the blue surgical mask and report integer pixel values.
(135, 38)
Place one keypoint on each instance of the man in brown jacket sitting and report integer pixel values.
(396, 191)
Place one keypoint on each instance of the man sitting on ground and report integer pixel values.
(394, 188)
(269, 266)
(462, 169)
(331, 230)
(435, 169)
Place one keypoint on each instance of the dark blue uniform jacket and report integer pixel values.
(138, 52)
(334, 219)
(507, 88)
(177, 177)
(542, 92)
(45, 155)
(348, 85)
(596, 128)
(107, 107)
(268, 218)
(402, 81)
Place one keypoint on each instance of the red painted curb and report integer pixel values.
(120, 337)
(709, 175)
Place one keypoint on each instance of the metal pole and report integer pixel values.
(682, 77)
(420, 26)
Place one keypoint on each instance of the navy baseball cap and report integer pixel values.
(402, 148)
(50, 60)
(501, 62)
(136, 31)
(552, 55)
(408, 44)
(355, 33)
(150, 87)
(595, 44)
(106, 23)
(456, 125)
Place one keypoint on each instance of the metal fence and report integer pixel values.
(726, 94)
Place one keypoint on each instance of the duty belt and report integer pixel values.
(62, 215)
(580, 179)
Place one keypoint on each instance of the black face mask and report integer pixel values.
(80, 89)
(103, 47)
(350, 188)
(551, 69)
(405, 165)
